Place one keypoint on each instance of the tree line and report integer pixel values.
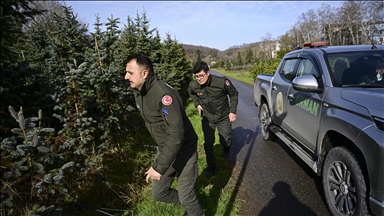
(353, 23)
(65, 102)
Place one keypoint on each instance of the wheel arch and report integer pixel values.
(334, 139)
(263, 99)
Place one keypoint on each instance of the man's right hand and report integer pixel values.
(200, 109)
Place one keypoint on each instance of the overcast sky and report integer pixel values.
(214, 24)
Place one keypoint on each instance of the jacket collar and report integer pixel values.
(147, 84)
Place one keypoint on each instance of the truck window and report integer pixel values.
(358, 67)
(306, 67)
(288, 72)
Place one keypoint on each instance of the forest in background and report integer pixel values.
(353, 23)
(66, 107)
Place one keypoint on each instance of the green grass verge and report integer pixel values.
(242, 75)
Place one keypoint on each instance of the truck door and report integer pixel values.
(279, 89)
(304, 108)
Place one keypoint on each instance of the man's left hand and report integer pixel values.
(232, 117)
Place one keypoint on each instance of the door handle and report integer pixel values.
(290, 97)
(274, 88)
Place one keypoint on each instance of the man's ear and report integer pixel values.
(145, 74)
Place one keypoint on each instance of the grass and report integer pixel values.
(242, 75)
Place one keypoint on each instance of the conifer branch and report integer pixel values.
(98, 53)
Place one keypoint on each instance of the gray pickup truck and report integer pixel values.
(327, 104)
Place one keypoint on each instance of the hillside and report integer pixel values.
(209, 54)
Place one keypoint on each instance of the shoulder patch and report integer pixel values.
(227, 82)
(166, 100)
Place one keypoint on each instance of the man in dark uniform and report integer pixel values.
(210, 96)
(161, 108)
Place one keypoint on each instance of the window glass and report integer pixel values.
(306, 67)
(361, 67)
(288, 69)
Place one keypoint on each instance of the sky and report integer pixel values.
(213, 24)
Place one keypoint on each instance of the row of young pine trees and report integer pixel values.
(65, 103)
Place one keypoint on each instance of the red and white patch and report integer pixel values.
(166, 100)
(227, 82)
(198, 94)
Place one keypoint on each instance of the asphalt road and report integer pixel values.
(270, 179)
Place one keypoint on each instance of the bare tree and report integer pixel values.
(309, 26)
(327, 21)
(288, 40)
(372, 15)
(50, 8)
(267, 46)
(352, 15)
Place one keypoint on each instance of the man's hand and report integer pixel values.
(152, 174)
(200, 109)
(232, 117)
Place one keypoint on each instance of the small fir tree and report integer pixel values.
(33, 170)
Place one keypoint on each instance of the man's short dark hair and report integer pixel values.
(142, 60)
(200, 66)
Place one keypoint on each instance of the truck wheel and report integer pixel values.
(265, 123)
(344, 183)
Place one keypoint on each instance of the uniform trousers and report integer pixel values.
(224, 128)
(185, 195)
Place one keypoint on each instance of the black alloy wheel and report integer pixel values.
(265, 123)
(344, 184)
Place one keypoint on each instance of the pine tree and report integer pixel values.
(144, 35)
(239, 61)
(198, 56)
(68, 69)
(13, 15)
(107, 96)
(17, 83)
(174, 67)
(32, 170)
(127, 40)
(249, 57)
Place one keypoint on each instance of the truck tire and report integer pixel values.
(265, 123)
(343, 183)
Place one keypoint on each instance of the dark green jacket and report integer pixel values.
(164, 115)
(212, 96)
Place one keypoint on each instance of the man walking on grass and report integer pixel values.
(210, 96)
(162, 110)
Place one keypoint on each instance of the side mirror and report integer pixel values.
(307, 83)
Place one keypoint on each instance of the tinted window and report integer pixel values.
(306, 67)
(360, 68)
(288, 70)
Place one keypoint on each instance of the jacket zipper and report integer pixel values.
(209, 102)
